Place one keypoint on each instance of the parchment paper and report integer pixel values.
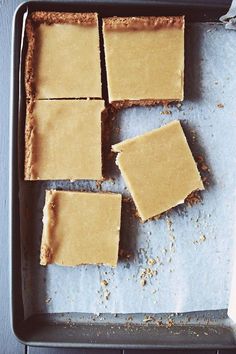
(229, 19)
(192, 246)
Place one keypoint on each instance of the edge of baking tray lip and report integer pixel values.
(12, 109)
(14, 327)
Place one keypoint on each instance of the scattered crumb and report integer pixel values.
(202, 238)
(202, 164)
(48, 300)
(193, 135)
(169, 224)
(124, 254)
(143, 282)
(159, 323)
(166, 111)
(151, 261)
(146, 274)
(104, 282)
(193, 198)
(220, 105)
(117, 130)
(106, 294)
(148, 319)
(99, 185)
(170, 323)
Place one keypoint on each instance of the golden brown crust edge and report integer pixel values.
(49, 18)
(143, 23)
(29, 136)
(46, 252)
(29, 60)
(143, 102)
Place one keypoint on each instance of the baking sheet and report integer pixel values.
(192, 246)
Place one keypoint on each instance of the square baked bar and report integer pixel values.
(80, 228)
(144, 59)
(63, 140)
(158, 169)
(63, 56)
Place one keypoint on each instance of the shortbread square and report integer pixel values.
(63, 140)
(158, 169)
(80, 228)
(144, 59)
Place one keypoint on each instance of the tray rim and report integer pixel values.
(16, 312)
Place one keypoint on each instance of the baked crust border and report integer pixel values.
(29, 136)
(143, 23)
(142, 102)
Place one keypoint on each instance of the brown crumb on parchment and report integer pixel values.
(124, 254)
(151, 261)
(147, 319)
(202, 164)
(106, 294)
(170, 323)
(146, 274)
(130, 318)
(220, 105)
(104, 282)
(143, 282)
(166, 112)
(202, 239)
(193, 198)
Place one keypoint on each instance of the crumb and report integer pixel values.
(202, 164)
(48, 300)
(220, 105)
(130, 318)
(143, 282)
(147, 273)
(106, 294)
(170, 323)
(148, 319)
(202, 238)
(104, 282)
(124, 254)
(166, 111)
(127, 199)
(159, 323)
(193, 198)
(193, 135)
(151, 261)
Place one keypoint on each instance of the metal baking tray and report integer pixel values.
(206, 329)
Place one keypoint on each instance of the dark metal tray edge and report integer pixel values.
(28, 331)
